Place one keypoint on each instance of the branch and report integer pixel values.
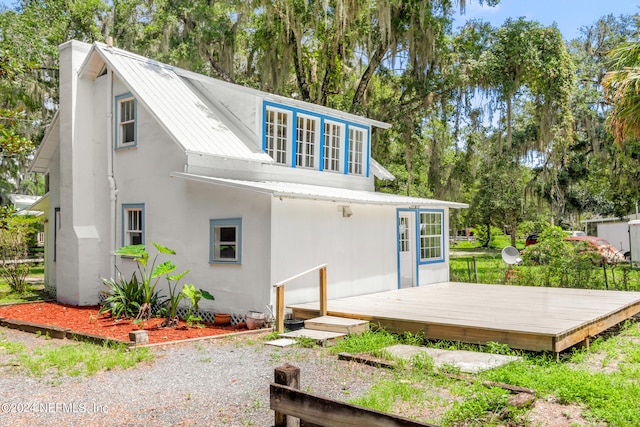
(221, 72)
(374, 63)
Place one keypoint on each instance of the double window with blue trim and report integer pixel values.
(304, 139)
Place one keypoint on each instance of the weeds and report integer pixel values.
(366, 342)
(78, 359)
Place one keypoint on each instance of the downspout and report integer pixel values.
(113, 189)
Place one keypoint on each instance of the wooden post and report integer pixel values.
(323, 291)
(288, 375)
(475, 268)
(280, 308)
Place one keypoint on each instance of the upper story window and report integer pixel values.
(306, 139)
(333, 139)
(133, 224)
(276, 135)
(356, 150)
(431, 236)
(126, 125)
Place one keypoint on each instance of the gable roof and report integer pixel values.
(193, 125)
(186, 106)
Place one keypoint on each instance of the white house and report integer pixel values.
(249, 188)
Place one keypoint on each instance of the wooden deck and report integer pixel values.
(528, 318)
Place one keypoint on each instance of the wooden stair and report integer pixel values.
(326, 328)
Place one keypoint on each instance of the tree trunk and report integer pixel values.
(303, 85)
(374, 62)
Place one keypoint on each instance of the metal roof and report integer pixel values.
(380, 172)
(187, 112)
(195, 126)
(316, 192)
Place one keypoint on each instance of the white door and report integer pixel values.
(406, 249)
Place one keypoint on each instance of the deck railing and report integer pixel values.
(322, 284)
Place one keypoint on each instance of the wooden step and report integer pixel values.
(337, 324)
(321, 337)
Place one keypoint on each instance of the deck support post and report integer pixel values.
(280, 308)
(323, 290)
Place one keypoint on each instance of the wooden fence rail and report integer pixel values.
(314, 411)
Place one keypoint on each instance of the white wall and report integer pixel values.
(50, 232)
(616, 233)
(177, 215)
(360, 251)
(78, 238)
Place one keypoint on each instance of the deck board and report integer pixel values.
(529, 318)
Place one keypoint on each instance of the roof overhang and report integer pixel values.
(316, 192)
(47, 147)
(41, 206)
(380, 171)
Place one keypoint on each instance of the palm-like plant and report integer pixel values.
(622, 90)
(124, 297)
(150, 274)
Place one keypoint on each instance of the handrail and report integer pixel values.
(322, 284)
(285, 281)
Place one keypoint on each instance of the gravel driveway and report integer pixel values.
(207, 383)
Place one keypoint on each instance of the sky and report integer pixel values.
(569, 15)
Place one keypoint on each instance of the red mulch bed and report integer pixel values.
(86, 320)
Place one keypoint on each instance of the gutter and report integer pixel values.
(113, 188)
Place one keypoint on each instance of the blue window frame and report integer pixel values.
(126, 123)
(301, 138)
(133, 224)
(431, 235)
(225, 241)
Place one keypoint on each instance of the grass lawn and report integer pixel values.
(34, 292)
(487, 266)
(598, 386)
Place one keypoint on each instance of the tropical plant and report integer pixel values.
(171, 305)
(194, 295)
(150, 273)
(124, 298)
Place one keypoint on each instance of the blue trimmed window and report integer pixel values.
(431, 236)
(225, 241)
(305, 139)
(276, 135)
(333, 141)
(356, 150)
(126, 125)
(133, 227)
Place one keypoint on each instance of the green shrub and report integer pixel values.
(124, 297)
(15, 234)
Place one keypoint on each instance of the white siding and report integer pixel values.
(360, 251)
